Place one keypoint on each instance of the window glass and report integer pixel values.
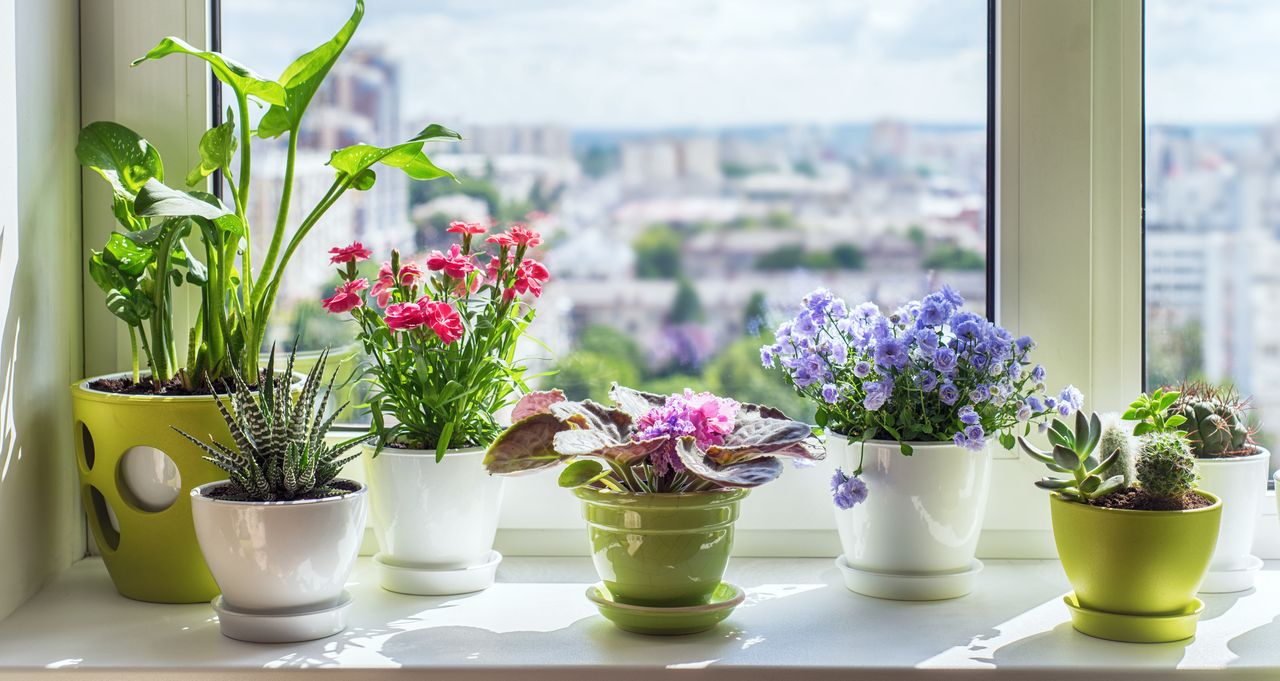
(695, 167)
(1213, 197)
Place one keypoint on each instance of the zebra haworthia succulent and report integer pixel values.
(279, 451)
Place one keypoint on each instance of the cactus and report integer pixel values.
(1215, 420)
(1166, 467)
(1116, 438)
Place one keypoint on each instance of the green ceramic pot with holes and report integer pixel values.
(136, 475)
(1142, 566)
(662, 550)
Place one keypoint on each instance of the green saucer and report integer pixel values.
(1135, 628)
(643, 619)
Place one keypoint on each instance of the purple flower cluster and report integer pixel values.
(847, 491)
(705, 417)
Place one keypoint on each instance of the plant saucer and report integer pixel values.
(285, 626)
(1135, 628)
(667, 621)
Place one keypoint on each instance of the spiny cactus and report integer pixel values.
(280, 452)
(1215, 419)
(1116, 438)
(1166, 467)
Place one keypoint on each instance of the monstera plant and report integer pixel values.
(647, 443)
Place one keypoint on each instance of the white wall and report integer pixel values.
(41, 530)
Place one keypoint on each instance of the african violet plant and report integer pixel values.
(928, 372)
(441, 339)
(651, 444)
(280, 452)
(148, 255)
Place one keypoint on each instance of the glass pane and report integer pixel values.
(1212, 185)
(696, 167)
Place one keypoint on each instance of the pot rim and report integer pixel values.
(422, 453)
(927, 444)
(718, 497)
(197, 493)
(1217, 504)
(82, 389)
(1262, 453)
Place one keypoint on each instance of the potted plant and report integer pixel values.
(909, 402)
(1232, 467)
(660, 479)
(440, 341)
(1134, 535)
(133, 468)
(281, 534)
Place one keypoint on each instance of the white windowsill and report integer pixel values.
(798, 617)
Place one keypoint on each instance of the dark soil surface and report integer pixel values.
(147, 386)
(225, 492)
(1138, 500)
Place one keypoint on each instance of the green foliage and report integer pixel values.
(687, 306)
(1166, 467)
(1116, 438)
(1215, 419)
(843, 256)
(1073, 454)
(148, 256)
(279, 451)
(475, 187)
(603, 339)
(953, 257)
(1152, 413)
(586, 375)
(597, 161)
(735, 372)
(658, 253)
(1175, 354)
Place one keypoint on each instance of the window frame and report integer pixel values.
(1065, 242)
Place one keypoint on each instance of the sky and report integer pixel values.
(651, 63)
(714, 63)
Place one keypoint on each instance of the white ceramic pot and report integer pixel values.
(433, 516)
(915, 536)
(290, 556)
(1241, 483)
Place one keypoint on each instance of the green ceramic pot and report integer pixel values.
(662, 550)
(149, 546)
(1135, 562)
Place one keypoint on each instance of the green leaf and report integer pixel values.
(127, 257)
(1167, 400)
(1066, 458)
(1143, 428)
(217, 148)
(238, 76)
(121, 156)
(1090, 484)
(1054, 483)
(407, 156)
(1175, 421)
(1130, 414)
(581, 473)
(365, 180)
(156, 199)
(905, 448)
(1111, 485)
(1006, 440)
(303, 77)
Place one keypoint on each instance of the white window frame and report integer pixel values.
(1068, 266)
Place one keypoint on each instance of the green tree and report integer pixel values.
(605, 340)
(788, 257)
(736, 373)
(756, 313)
(598, 161)
(848, 257)
(687, 306)
(658, 254)
(423, 192)
(953, 257)
(587, 375)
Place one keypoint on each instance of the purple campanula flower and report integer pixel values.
(1037, 375)
(830, 393)
(928, 381)
(949, 393)
(968, 416)
(944, 360)
(891, 354)
(1035, 404)
(951, 296)
(846, 491)
(1024, 413)
(862, 369)
(1072, 398)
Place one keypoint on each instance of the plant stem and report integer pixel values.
(282, 216)
(133, 351)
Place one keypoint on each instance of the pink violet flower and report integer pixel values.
(404, 316)
(459, 227)
(353, 253)
(346, 297)
(704, 416)
(442, 318)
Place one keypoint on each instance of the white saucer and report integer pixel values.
(288, 627)
(1231, 581)
(419, 581)
(909, 586)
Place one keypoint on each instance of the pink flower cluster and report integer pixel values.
(437, 315)
(704, 416)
